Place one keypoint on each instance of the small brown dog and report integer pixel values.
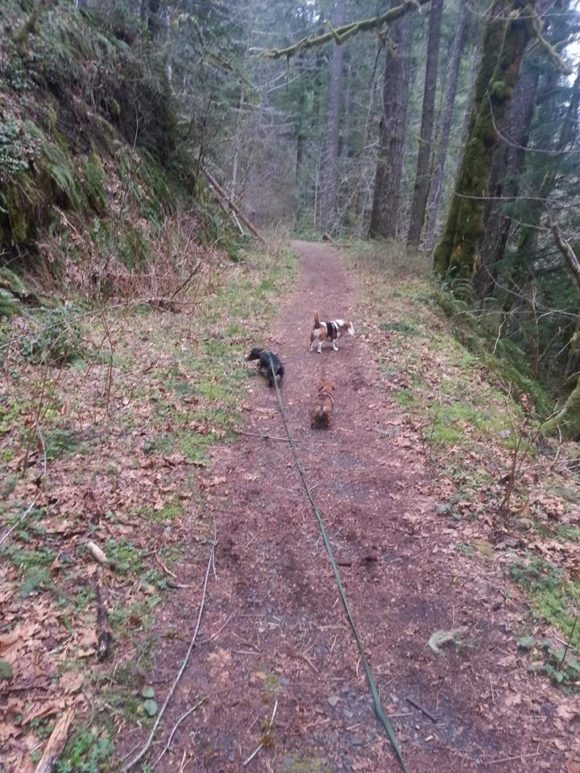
(323, 406)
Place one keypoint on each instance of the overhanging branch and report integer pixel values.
(346, 31)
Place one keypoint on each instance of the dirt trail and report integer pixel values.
(280, 632)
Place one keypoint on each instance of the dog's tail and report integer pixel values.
(316, 320)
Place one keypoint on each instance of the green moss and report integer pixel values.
(553, 598)
(405, 397)
(505, 39)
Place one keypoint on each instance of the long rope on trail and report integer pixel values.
(379, 711)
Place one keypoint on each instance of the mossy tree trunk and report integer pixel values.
(506, 36)
(507, 167)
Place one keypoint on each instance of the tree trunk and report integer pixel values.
(386, 196)
(424, 156)
(506, 36)
(438, 168)
(507, 166)
(333, 122)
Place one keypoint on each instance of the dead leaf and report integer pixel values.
(71, 681)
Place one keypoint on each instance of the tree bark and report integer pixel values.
(333, 123)
(438, 167)
(425, 137)
(386, 196)
(506, 36)
(507, 166)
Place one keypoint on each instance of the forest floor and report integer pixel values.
(418, 541)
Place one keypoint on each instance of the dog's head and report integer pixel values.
(348, 327)
(326, 388)
(254, 354)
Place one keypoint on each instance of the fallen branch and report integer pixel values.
(131, 764)
(56, 743)
(225, 200)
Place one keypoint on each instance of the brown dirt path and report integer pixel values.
(274, 628)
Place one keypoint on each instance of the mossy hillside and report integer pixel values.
(91, 167)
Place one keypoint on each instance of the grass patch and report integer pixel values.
(553, 597)
(405, 328)
(88, 750)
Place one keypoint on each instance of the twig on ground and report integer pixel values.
(422, 709)
(511, 759)
(263, 436)
(175, 726)
(131, 763)
(558, 450)
(43, 446)
(269, 728)
(568, 642)
(15, 525)
(217, 633)
(165, 569)
(310, 663)
(183, 285)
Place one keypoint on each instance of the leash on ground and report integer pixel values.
(379, 711)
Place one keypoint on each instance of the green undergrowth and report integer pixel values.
(553, 596)
(477, 414)
(95, 187)
(118, 440)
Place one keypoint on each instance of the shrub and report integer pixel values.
(55, 337)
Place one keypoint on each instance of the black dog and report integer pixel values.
(270, 365)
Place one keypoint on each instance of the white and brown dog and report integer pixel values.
(328, 331)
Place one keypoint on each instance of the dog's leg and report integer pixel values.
(334, 346)
(319, 350)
